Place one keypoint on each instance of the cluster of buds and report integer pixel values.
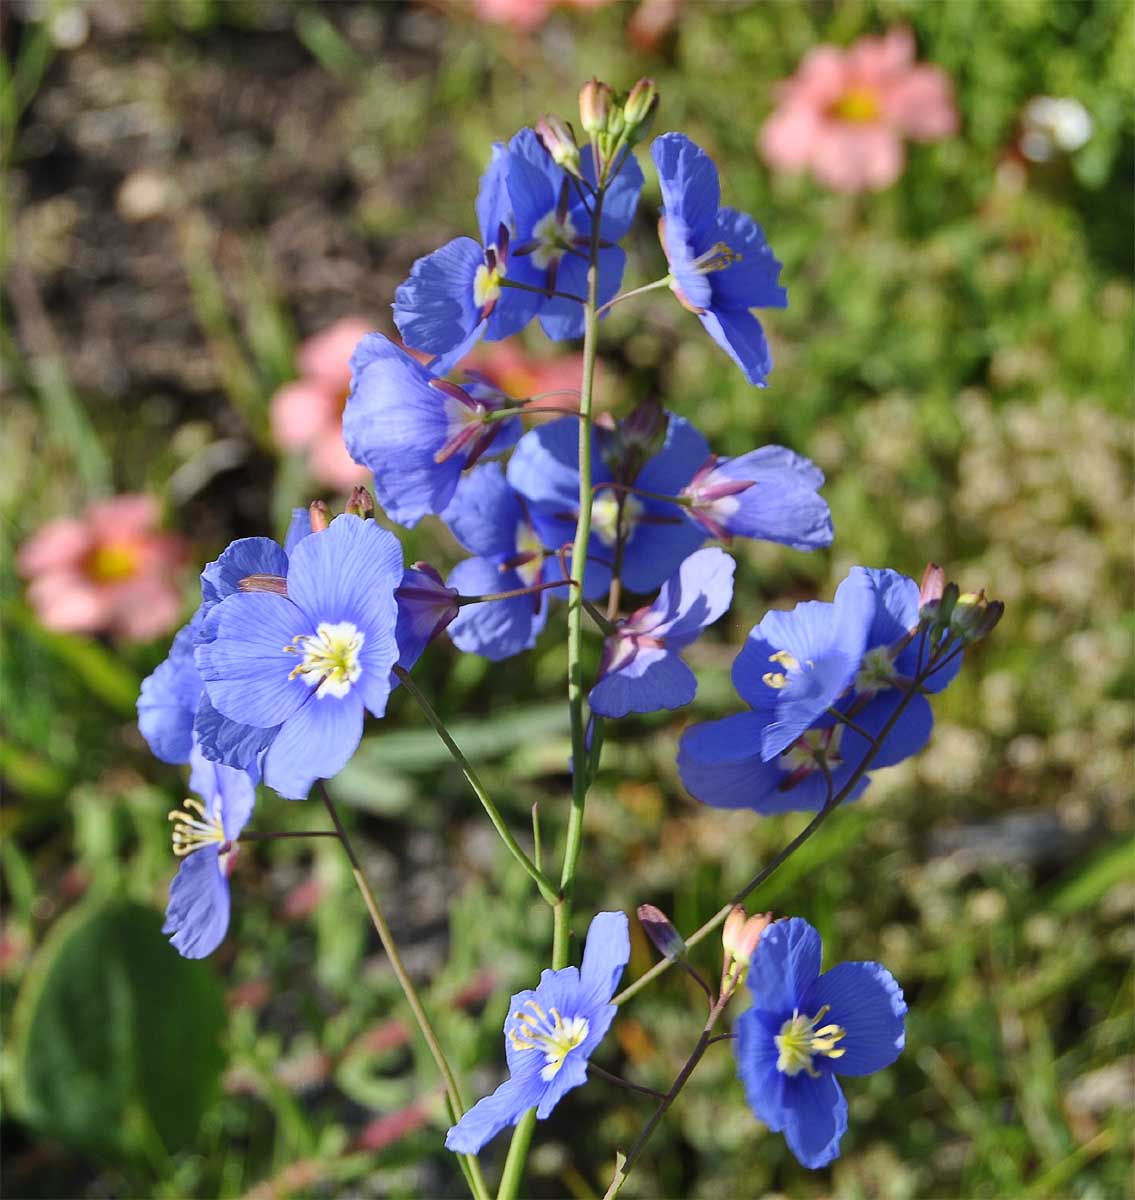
(946, 611)
(613, 122)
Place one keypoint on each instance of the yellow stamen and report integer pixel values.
(330, 658)
(548, 1032)
(799, 1042)
(194, 828)
(778, 679)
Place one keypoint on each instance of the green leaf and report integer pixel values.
(116, 1037)
(1113, 864)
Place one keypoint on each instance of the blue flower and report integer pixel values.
(770, 493)
(642, 670)
(658, 536)
(454, 295)
(805, 1028)
(205, 837)
(553, 224)
(550, 1033)
(300, 668)
(720, 262)
(169, 697)
(416, 433)
(489, 519)
(426, 606)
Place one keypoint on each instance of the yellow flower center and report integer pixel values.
(547, 1031)
(605, 516)
(799, 1042)
(194, 828)
(527, 543)
(330, 658)
(113, 562)
(486, 285)
(858, 105)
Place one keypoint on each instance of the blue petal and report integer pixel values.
(741, 336)
(395, 423)
(198, 910)
(244, 667)
(896, 605)
(248, 556)
(938, 679)
(655, 551)
(605, 956)
(298, 528)
(683, 452)
(434, 309)
(620, 203)
(756, 1053)
(544, 467)
(533, 182)
(818, 1119)
(562, 319)
(316, 743)
(782, 505)
(422, 616)
(752, 282)
(229, 742)
(349, 573)
(720, 764)
(867, 1002)
(785, 965)
(489, 1116)
(169, 698)
(484, 513)
(690, 189)
(494, 208)
(695, 597)
(647, 681)
(230, 789)
(495, 629)
(808, 696)
(909, 735)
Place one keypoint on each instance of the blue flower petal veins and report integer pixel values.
(550, 1033)
(804, 1028)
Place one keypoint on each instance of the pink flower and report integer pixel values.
(845, 113)
(525, 15)
(110, 570)
(307, 415)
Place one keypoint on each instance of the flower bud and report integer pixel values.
(596, 101)
(639, 109)
(974, 617)
(933, 581)
(740, 934)
(319, 514)
(361, 503)
(664, 937)
(558, 138)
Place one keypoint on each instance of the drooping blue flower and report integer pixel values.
(169, 698)
(804, 1029)
(642, 670)
(300, 668)
(489, 519)
(417, 433)
(205, 834)
(720, 262)
(553, 222)
(770, 493)
(454, 296)
(426, 607)
(658, 536)
(550, 1033)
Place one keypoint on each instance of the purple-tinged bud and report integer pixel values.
(319, 514)
(425, 607)
(276, 584)
(741, 933)
(361, 503)
(639, 109)
(558, 138)
(659, 928)
(596, 102)
(974, 617)
(933, 583)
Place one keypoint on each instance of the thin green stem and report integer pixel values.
(611, 485)
(534, 590)
(538, 877)
(619, 1081)
(638, 291)
(250, 836)
(844, 719)
(513, 1174)
(527, 287)
(455, 1102)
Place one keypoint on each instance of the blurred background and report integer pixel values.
(197, 188)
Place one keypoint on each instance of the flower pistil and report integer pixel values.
(799, 1042)
(330, 658)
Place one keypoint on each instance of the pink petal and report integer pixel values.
(68, 603)
(921, 104)
(60, 543)
(326, 357)
(820, 79)
(330, 463)
(123, 515)
(143, 609)
(520, 14)
(788, 138)
(852, 158)
(300, 412)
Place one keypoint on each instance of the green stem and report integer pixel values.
(538, 877)
(527, 287)
(513, 1174)
(509, 595)
(638, 291)
(456, 1104)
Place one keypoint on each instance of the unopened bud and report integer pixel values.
(974, 617)
(639, 109)
(596, 101)
(361, 503)
(740, 934)
(664, 937)
(933, 582)
(558, 138)
(319, 515)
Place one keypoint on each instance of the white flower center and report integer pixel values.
(330, 658)
(547, 1031)
(605, 516)
(799, 1041)
(528, 543)
(553, 239)
(876, 672)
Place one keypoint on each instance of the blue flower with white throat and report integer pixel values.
(550, 1033)
(804, 1029)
